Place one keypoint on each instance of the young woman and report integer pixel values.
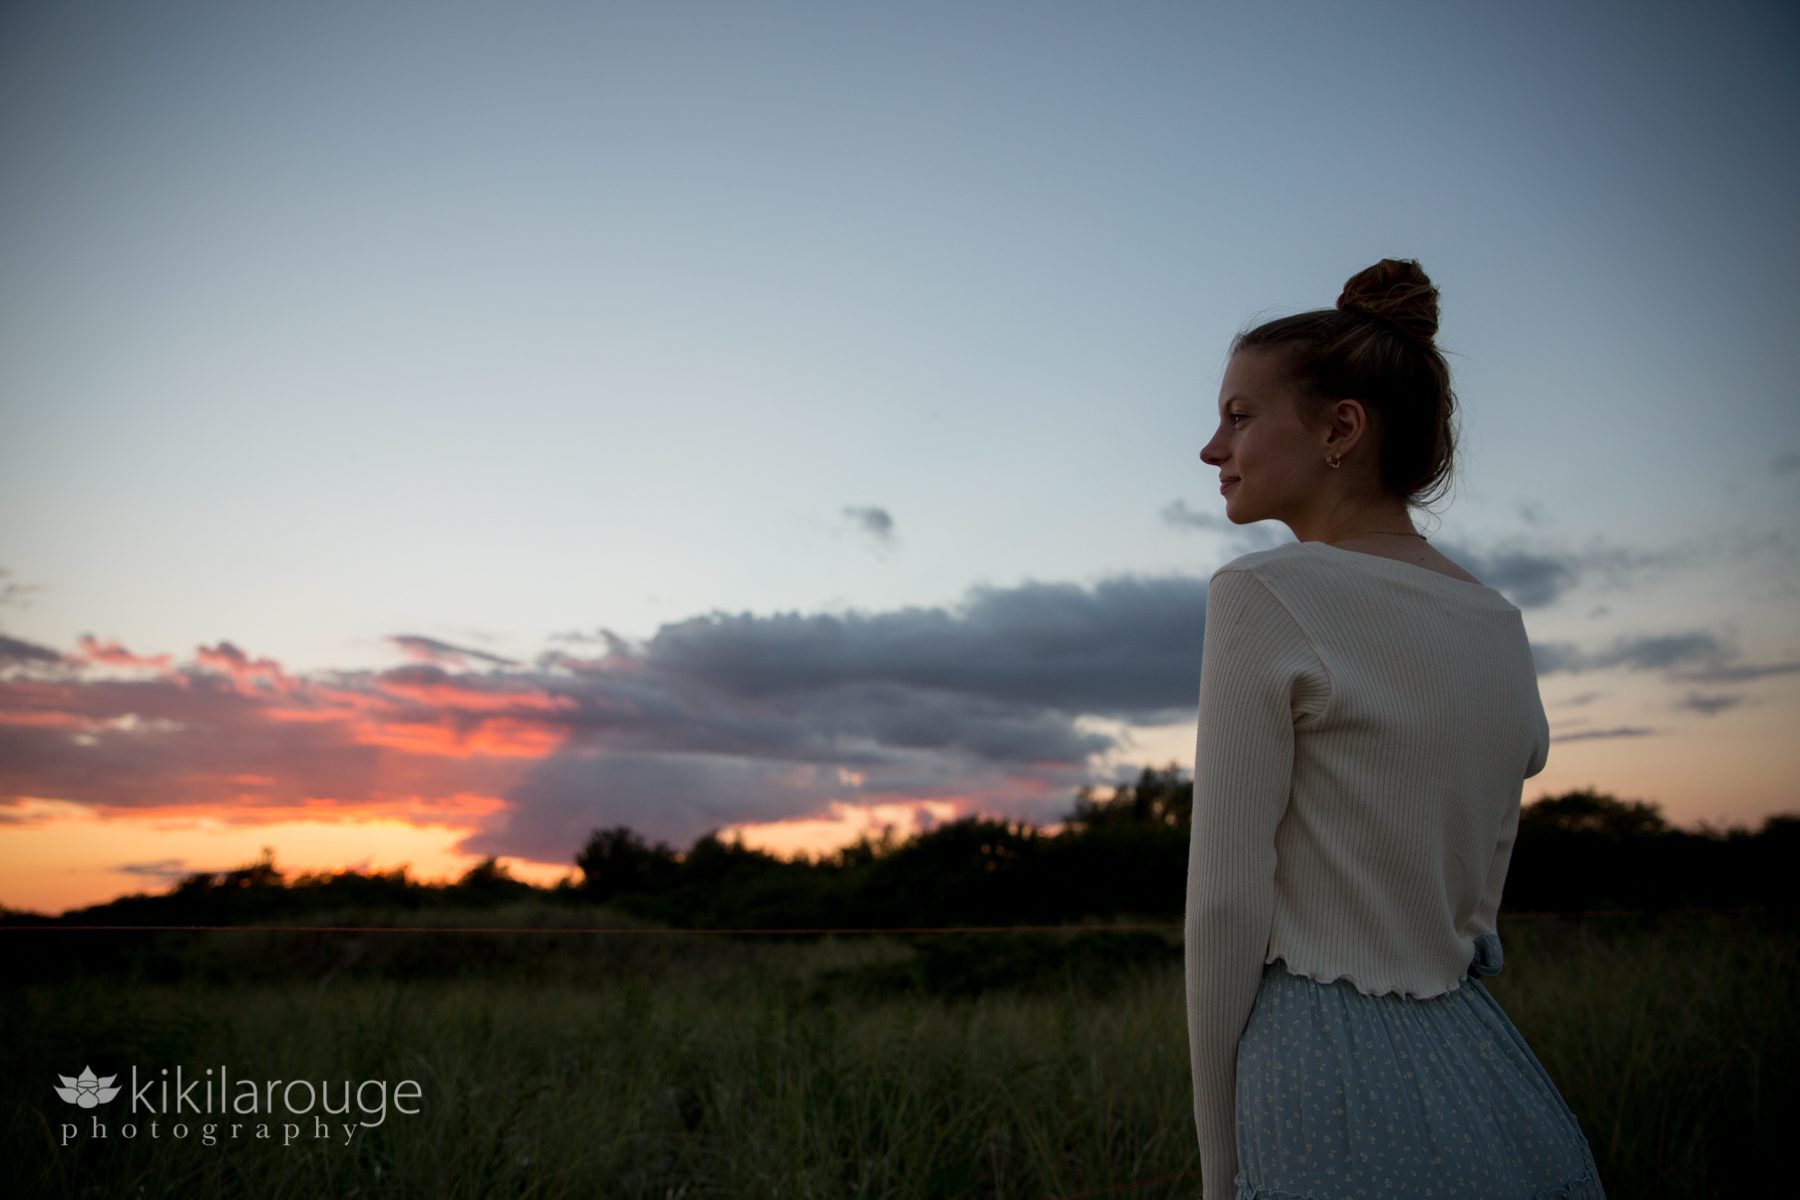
(1369, 713)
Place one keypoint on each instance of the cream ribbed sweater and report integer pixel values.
(1366, 728)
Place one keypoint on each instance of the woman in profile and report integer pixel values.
(1369, 712)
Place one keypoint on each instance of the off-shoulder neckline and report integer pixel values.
(1394, 565)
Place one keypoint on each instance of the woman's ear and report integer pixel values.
(1349, 422)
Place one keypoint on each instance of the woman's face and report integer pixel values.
(1261, 444)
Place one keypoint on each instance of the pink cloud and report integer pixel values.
(113, 654)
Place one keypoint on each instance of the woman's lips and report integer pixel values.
(1226, 484)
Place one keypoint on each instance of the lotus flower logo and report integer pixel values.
(86, 1090)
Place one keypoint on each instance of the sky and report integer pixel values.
(434, 431)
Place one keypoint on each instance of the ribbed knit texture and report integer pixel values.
(1366, 727)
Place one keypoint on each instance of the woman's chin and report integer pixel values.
(1243, 516)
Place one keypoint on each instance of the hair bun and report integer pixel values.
(1397, 291)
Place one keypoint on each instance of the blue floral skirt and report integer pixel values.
(1345, 1095)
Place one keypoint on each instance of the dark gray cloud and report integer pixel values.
(433, 650)
(1708, 705)
(1553, 658)
(1540, 578)
(1127, 648)
(1657, 652)
(1700, 655)
(1737, 672)
(723, 718)
(872, 520)
(16, 650)
(1527, 578)
(1617, 731)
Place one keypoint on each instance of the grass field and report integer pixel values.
(1018, 1065)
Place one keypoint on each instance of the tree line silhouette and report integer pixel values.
(1117, 857)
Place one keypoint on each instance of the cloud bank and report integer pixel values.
(719, 719)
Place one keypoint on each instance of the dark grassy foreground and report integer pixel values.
(1027, 1065)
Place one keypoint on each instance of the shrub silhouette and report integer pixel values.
(1121, 856)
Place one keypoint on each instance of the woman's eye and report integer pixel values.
(1235, 416)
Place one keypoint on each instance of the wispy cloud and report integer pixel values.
(1658, 652)
(162, 870)
(13, 595)
(1709, 705)
(1739, 672)
(1617, 731)
(1260, 535)
(1693, 655)
(431, 650)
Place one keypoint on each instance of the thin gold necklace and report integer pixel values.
(1395, 532)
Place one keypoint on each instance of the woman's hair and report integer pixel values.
(1375, 346)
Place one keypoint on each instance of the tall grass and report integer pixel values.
(574, 1065)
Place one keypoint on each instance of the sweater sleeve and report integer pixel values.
(1488, 911)
(1258, 671)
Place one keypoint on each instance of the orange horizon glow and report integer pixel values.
(813, 837)
(47, 860)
